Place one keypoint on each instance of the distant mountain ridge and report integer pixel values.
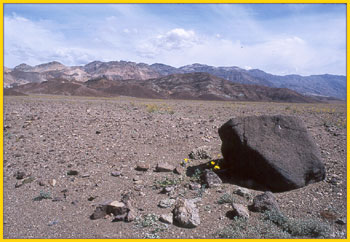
(191, 86)
(314, 85)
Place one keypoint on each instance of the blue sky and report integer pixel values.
(278, 38)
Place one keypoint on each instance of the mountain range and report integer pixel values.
(196, 81)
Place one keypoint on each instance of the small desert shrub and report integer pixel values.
(242, 229)
(150, 222)
(226, 198)
(167, 181)
(298, 227)
(43, 195)
(196, 177)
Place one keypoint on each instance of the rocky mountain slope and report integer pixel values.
(196, 86)
(315, 85)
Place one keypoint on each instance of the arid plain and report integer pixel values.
(63, 156)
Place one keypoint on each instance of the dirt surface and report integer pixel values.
(47, 136)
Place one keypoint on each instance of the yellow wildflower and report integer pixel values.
(216, 167)
(212, 162)
(186, 160)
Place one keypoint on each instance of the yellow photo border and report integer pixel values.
(347, 2)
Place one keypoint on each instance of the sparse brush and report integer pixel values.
(226, 198)
(43, 195)
(167, 182)
(305, 228)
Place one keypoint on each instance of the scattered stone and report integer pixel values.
(116, 208)
(275, 151)
(166, 203)
(138, 188)
(186, 213)
(166, 218)
(20, 175)
(195, 186)
(98, 132)
(167, 189)
(41, 183)
(164, 167)
(138, 182)
(210, 178)
(53, 223)
(91, 198)
(264, 202)
(131, 216)
(72, 173)
(116, 173)
(240, 210)
(341, 221)
(85, 175)
(142, 166)
(57, 199)
(200, 153)
(52, 182)
(180, 170)
(243, 192)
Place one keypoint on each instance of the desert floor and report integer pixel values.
(47, 136)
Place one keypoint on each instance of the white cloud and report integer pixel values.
(173, 40)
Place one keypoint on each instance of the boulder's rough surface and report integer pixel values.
(186, 213)
(264, 202)
(275, 151)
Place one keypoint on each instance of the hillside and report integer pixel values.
(316, 85)
(192, 86)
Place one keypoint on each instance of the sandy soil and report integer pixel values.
(46, 136)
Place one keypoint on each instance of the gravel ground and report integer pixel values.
(47, 136)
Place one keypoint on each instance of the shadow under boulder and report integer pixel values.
(272, 152)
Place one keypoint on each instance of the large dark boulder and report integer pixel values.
(274, 151)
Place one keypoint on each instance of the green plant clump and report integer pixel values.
(305, 228)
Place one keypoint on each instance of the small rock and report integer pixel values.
(240, 210)
(167, 189)
(142, 166)
(211, 179)
(138, 188)
(195, 186)
(20, 175)
(200, 153)
(164, 167)
(85, 175)
(110, 207)
(52, 182)
(91, 198)
(53, 223)
(57, 199)
(41, 183)
(180, 170)
(341, 221)
(166, 218)
(116, 173)
(72, 173)
(166, 203)
(243, 192)
(138, 182)
(264, 202)
(98, 132)
(131, 216)
(186, 213)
